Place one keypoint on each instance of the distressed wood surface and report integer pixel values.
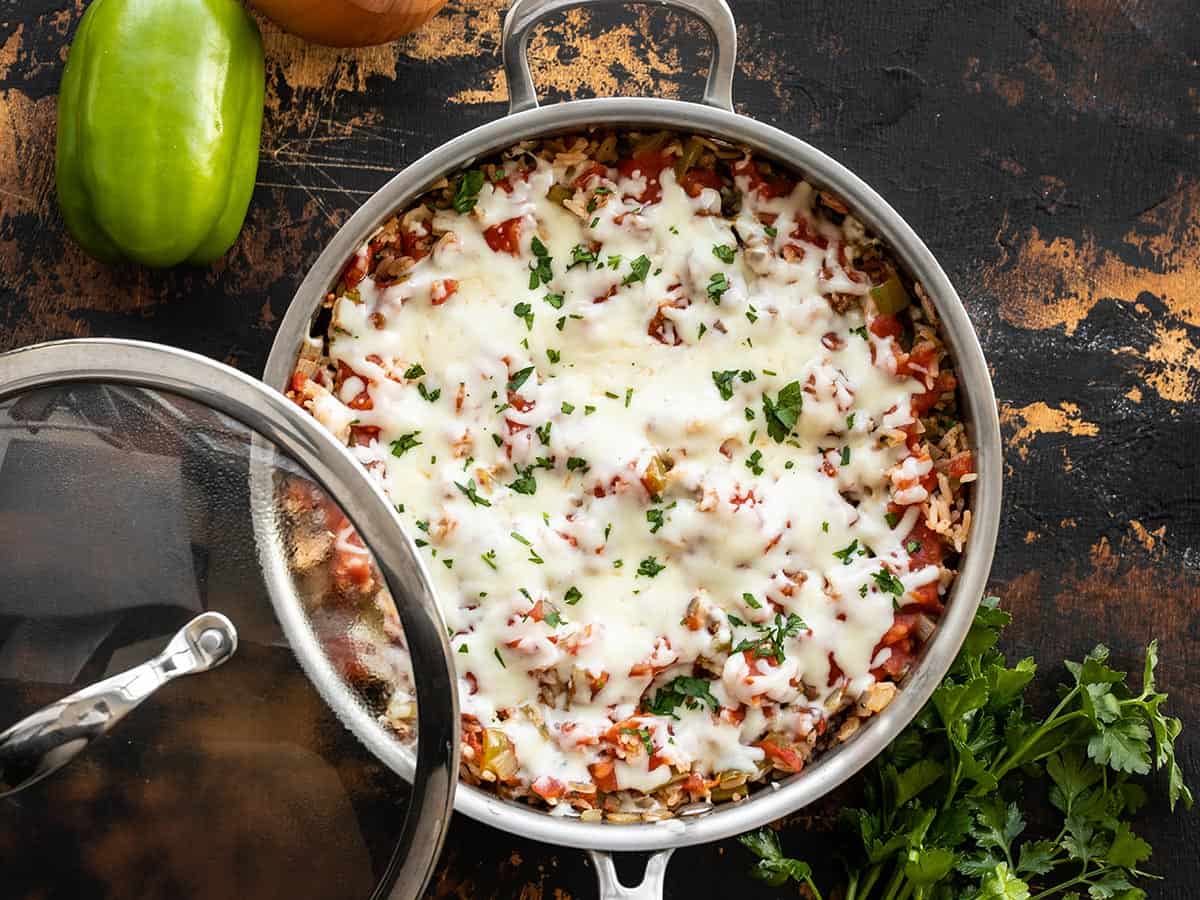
(1048, 152)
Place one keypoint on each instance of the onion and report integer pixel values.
(349, 23)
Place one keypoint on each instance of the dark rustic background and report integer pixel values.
(1048, 152)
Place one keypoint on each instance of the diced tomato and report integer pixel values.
(696, 180)
(604, 775)
(804, 231)
(697, 787)
(416, 242)
(505, 237)
(358, 268)
(886, 325)
(896, 664)
(835, 671)
(298, 382)
(922, 403)
(590, 171)
(363, 434)
(442, 290)
(606, 295)
(548, 788)
(361, 400)
(784, 757)
(663, 330)
(519, 403)
(930, 552)
(775, 186)
(902, 625)
(961, 464)
(537, 612)
(649, 166)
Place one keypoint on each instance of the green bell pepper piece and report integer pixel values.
(159, 119)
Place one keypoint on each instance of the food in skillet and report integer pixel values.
(681, 444)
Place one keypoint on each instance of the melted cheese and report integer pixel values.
(752, 529)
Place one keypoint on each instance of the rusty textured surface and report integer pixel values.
(1047, 150)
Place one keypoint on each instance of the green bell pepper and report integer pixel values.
(159, 119)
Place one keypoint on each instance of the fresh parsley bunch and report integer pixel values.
(943, 806)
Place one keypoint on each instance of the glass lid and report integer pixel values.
(204, 598)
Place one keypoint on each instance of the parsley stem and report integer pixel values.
(894, 885)
(1052, 722)
(1084, 877)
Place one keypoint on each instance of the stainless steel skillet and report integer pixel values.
(713, 116)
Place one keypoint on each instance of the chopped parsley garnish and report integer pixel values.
(543, 432)
(414, 371)
(552, 617)
(467, 194)
(577, 463)
(427, 394)
(752, 315)
(770, 230)
(553, 355)
(724, 383)
(724, 252)
(555, 300)
(825, 527)
(655, 518)
(691, 693)
(448, 563)
(611, 396)
(892, 519)
(644, 735)
(540, 271)
(783, 412)
(749, 414)
(497, 440)
(588, 410)
(405, 443)
(735, 621)
(888, 583)
(718, 284)
(754, 462)
(628, 396)
(650, 567)
(614, 262)
(525, 483)
(850, 421)
(845, 456)
(769, 645)
(472, 494)
(524, 311)
(581, 255)
(746, 375)
(519, 378)
(637, 270)
(751, 601)
(567, 408)
(489, 558)
(499, 658)
(912, 546)
(462, 648)
(594, 222)
(562, 321)
(790, 464)
(700, 333)
(846, 554)
(861, 331)
(572, 596)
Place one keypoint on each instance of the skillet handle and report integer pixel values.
(524, 14)
(611, 888)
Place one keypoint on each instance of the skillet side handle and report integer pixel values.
(611, 888)
(524, 14)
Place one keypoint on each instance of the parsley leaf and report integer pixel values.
(638, 269)
(691, 693)
(405, 443)
(472, 494)
(467, 194)
(783, 412)
(724, 383)
(650, 567)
